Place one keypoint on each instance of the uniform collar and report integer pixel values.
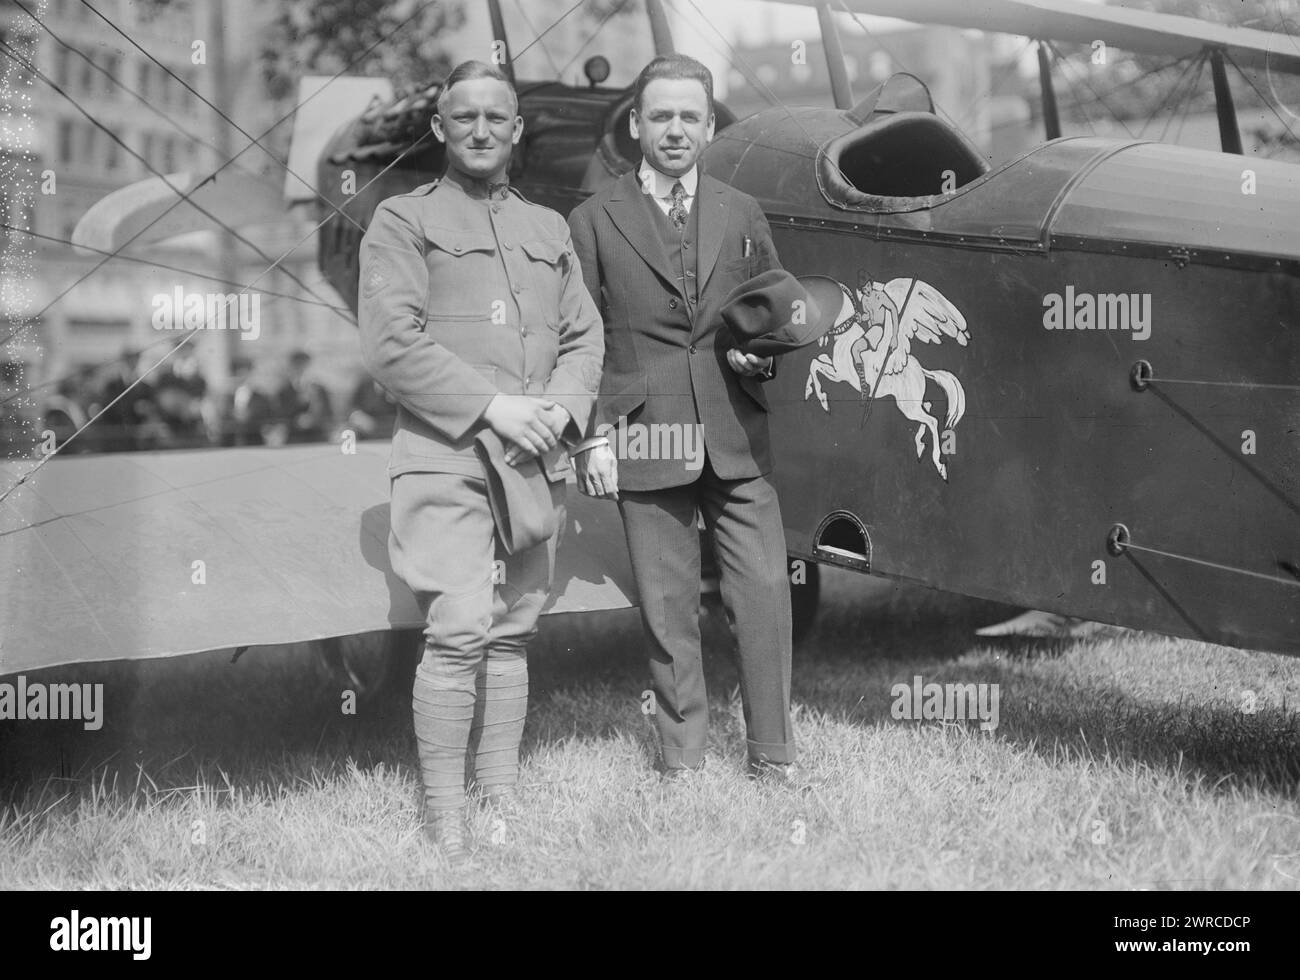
(660, 185)
(478, 190)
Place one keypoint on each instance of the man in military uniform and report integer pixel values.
(474, 315)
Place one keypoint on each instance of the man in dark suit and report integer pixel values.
(660, 249)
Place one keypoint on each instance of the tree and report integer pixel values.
(396, 39)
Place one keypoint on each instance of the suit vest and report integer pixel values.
(680, 247)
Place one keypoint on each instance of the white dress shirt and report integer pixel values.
(660, 186)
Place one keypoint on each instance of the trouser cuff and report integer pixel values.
(679, 758)
(781, 753)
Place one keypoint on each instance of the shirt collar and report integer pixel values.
(661, 185)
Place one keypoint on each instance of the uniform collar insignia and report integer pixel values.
(479, 189)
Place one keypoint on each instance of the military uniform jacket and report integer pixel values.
(463, 297)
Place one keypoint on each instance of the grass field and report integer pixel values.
(1121, 760)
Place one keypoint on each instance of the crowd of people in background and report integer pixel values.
(173, 407)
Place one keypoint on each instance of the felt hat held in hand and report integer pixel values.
(520, 496)
(774, 312)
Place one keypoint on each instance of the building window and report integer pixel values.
(61, 67)
(146, 151)
(113, 66)
(144, 88)
(183, 97)
(169, 155)
(112, 155)
(162, 86)
(65, 140)
(180, 96)
(89, 137)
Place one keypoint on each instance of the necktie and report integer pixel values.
(678, 210)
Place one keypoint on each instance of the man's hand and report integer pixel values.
(557, 420)
(523, 422)
(597, 471)
(749, 365)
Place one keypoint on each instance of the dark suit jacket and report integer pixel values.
(663, 365)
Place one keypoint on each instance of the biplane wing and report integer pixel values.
(1076, 22)
(140, 555)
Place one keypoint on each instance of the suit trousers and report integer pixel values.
(744, 518)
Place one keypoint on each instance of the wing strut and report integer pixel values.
(659, 28)
(1051, 118)
(499, 34)
(1229, 134)
(841, 89)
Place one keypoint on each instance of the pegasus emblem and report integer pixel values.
(871, 349)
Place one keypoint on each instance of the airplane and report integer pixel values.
(1066, 384)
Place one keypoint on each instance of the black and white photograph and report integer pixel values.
(651, 445)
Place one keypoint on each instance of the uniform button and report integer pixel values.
(496, 209)
(523, 331)
(686, 244)
(516, 289)
(672, 304)
(692, 348)
(507, 246)
(527, 382)
(456, 248)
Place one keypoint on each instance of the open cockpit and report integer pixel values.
(899, 149)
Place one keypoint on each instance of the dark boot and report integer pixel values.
(448, 831)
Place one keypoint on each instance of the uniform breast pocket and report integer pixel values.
(547, 266)
(462, 268)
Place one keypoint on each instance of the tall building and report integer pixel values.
(77, 163)
(86, 311)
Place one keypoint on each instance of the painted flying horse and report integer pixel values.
(872, 350)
